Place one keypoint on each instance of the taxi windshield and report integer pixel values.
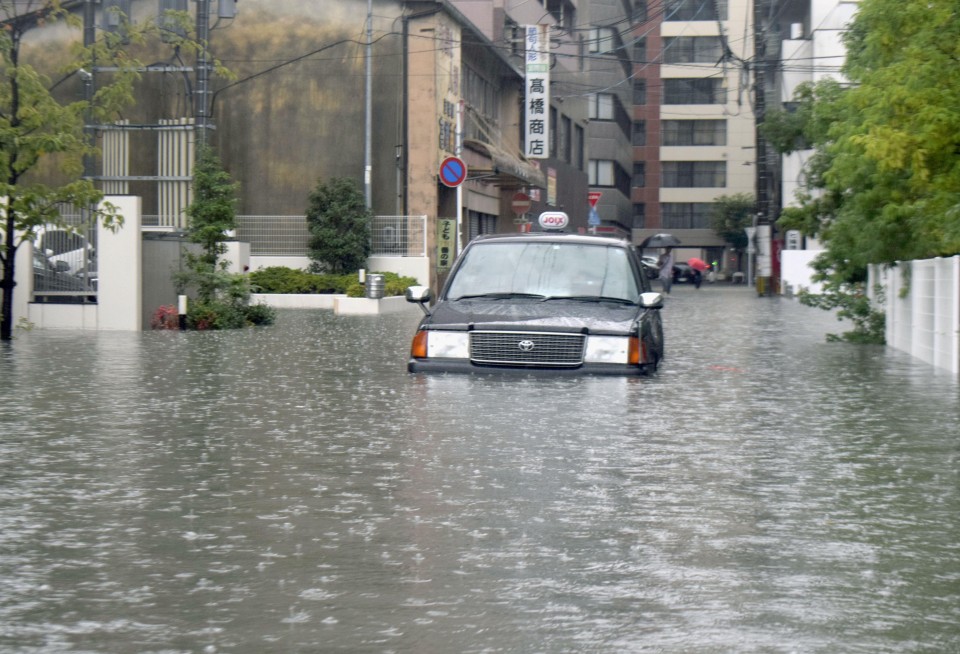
(545, 270)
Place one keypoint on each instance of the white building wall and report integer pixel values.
(119, 285)
(812, 59)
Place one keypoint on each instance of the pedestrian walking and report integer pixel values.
(666, 270)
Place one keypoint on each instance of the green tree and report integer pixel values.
(731, 215)
(211, 215)
(884, 183)
(42, 136)
(221, 299)
(339, 224)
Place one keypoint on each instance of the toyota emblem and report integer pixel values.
(526, 345)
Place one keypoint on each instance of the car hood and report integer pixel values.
(552, 315)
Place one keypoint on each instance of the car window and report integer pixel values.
(59, 241)
(547, 269)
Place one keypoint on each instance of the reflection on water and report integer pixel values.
(293, 489)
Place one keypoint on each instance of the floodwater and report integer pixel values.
(293, 489)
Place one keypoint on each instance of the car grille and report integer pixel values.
(534, 349)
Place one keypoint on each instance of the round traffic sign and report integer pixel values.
(453, 171)
(520, 203)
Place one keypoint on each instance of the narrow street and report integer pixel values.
(293, 489)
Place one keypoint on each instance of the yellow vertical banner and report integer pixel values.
(446, 237)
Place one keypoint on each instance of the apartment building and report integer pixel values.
(694, 120)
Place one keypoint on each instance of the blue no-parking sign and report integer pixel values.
(453, 171)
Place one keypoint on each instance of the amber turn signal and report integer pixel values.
(634, 351)
(418, 348)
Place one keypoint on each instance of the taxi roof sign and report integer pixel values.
(553, 220)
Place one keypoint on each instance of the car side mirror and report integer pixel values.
(651, 300)
(420, 295)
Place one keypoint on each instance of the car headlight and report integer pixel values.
(428, 344)
(610, 349)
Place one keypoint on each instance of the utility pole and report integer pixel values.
(89, 38)
(201, 108)
(368, 111)
(764, 229)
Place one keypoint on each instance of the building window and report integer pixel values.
(601, 173)
(694, 174)
(639, 92)
(694, 132)
(115, 12)
(694, 91)
(639, 132)
(602, 39)
(483, 97)
(601, 106)
(639, 174)
(639, 216)
(578, 147)
(564, 138)
(640, 50)
(692, 50)
(675, 10)
(553, 131)
(686, 215)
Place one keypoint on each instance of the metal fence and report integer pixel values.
(398, 236)
(65, 259)
(274, 235)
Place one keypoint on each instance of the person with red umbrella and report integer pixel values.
(698, 265)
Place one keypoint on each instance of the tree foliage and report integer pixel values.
(221, 299)
(732, 214)
(884, 182)
(42, 135)
(212, 213)
(339, 224)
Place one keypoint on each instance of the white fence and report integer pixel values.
(922, 303)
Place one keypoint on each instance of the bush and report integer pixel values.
(280, 279)
(261, 314)
(393, 284)
(222, 315)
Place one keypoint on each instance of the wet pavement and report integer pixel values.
(293, 489)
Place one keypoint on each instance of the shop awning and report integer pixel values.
(500, 168)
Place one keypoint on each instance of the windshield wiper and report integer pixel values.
(501, 296)
(589, 298)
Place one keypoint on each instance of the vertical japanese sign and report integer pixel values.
(446, 233)
(448, 86)
(537, 99)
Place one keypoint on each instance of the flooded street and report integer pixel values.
(293, 489)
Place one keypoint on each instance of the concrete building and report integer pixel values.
(694, 103)
(812, 50)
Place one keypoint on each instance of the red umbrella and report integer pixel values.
(698, 264)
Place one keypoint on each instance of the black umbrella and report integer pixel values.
(660, 241)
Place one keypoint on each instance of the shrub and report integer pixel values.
(280, 279)
(339, 224)
(261, 314)
(165, 317)
(223, 315)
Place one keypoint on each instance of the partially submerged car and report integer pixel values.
(545, 301)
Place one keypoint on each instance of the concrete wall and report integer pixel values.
(796, 273)
(922, 304)
(119, 289)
